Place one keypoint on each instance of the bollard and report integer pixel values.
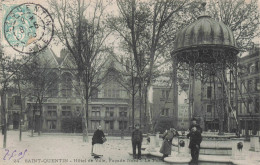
(183, 146)
(238, 149)
(157, 139)
(254, 143)
(243, 132)
(152, 144)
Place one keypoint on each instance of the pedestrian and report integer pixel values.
(195, 140)
(97, 142)
(166, 147)
(137, 138)
(195, 124)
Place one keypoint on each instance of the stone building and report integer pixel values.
(161, 106)
(62, 111)
(249, 92)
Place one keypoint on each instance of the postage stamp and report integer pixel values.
(28, 28)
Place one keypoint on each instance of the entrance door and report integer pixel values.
(15, 120)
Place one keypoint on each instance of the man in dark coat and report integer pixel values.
(195, 124)
(195, 140)
(137, 138)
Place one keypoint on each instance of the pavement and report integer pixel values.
(63, 149)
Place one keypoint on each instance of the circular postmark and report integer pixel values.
(28, 28)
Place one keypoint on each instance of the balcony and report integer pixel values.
(169, 100)
(66, 117)
(62, 100)
(51, 117)
(95, 117)
(123, 118)
(110, 100)
(110, 118)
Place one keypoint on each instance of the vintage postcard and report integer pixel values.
(151, 82)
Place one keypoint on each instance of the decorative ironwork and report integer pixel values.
(240, 146)
(182, 143)
(208, 49)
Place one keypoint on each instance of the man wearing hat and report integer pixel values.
(195, 140)
(137, 138)
(195, 124)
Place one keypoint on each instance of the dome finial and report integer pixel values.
(203, 12)
(203, 8)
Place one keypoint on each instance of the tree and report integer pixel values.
(81, 30)
(148, 30)
(241, 16)
(7, 74)
(127, 77)
(10, 72)
(243, 19)
(39, 80)
(18, 81)
(4, 82)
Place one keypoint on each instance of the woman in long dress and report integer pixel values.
(166, 147)
(97, 142)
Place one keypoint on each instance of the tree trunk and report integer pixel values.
(222, 116)
(140, 102)
(190, 95)
(145, 109)
(85, 115)
(21, 112)
(40, 118)
(203, 110)
(4, 127)
(236, 98)
(175, 92)
(33, 116)
(84, 125)
(133, 107)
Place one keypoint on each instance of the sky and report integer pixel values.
(44, 3)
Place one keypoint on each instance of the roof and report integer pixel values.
(205, 31)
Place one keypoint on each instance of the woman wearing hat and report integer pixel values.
(166, 147)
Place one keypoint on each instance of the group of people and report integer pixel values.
(195, 139)
(194, 135)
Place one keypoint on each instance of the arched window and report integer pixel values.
(53, 88)
(112, 90)
(66, 87)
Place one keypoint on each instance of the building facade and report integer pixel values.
(62, 105)
(61, 109)
(160, 108)
(249, 92)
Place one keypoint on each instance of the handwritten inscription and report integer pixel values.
(14, 154)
